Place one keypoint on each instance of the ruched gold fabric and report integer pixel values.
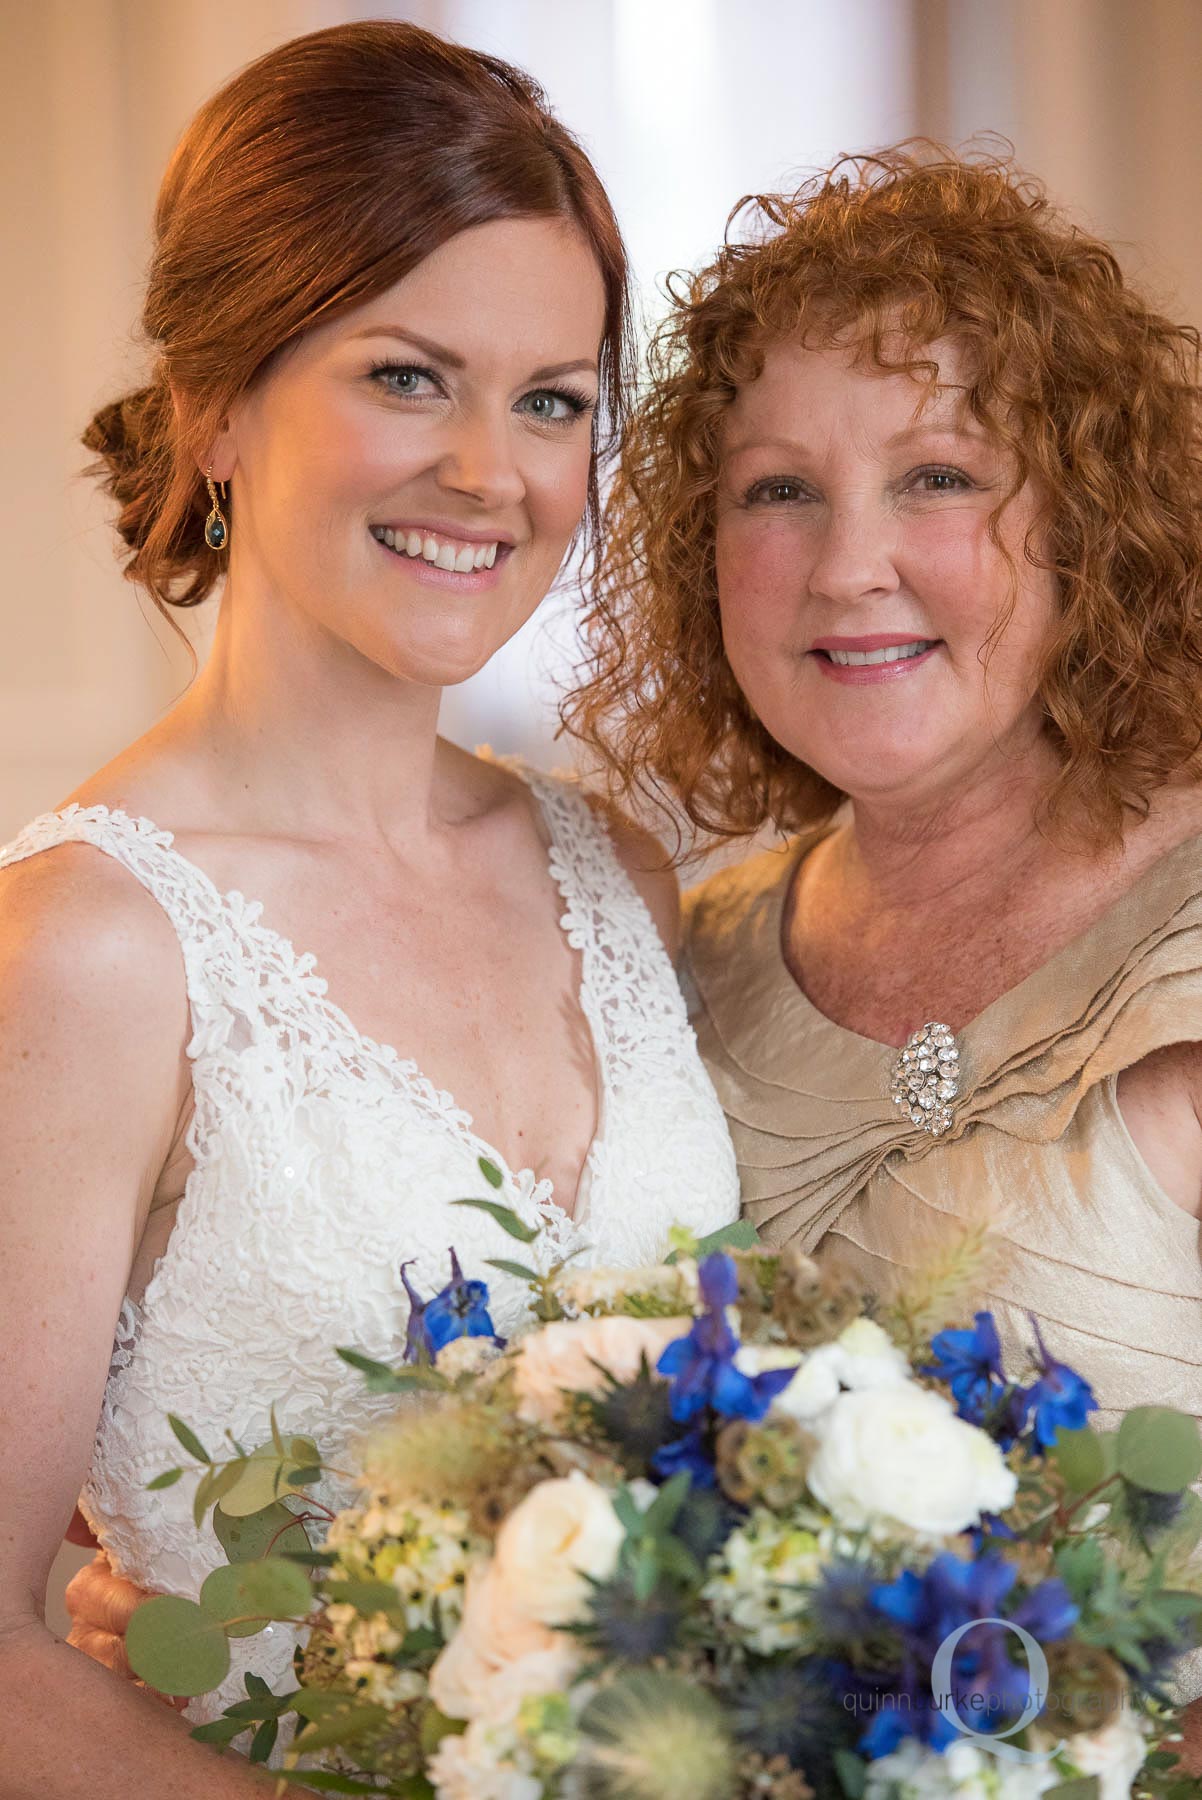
(1088, 1241)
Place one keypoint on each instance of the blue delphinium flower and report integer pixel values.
(971, 1364)
(701, 1365)
(460, 1309)
(690, 1453)
(1057, 1399)
(989, 1689)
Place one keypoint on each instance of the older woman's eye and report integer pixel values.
(776, 491)
(942, 481)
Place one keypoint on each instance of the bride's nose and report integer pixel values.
(480, 459)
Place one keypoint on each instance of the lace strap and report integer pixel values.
(629, 989)
(199, 914)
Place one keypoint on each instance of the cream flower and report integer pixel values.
(865, 1356)
(564, 1533)
(900, 1453)
(568, 1356)
(1115, 1754)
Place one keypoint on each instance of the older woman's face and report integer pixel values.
(857, 581)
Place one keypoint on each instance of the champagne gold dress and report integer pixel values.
(1090, 1243)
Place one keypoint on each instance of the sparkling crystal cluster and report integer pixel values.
(926, 1078)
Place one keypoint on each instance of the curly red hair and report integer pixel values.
(1093, 393)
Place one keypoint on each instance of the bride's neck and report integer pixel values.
(295, 724)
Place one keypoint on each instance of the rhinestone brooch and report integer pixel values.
(926, 1078)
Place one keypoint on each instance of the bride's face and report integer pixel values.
(861, 592)
(407, 479)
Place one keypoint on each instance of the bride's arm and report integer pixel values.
(93, 1019)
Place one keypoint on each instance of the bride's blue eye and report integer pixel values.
(405, 379)
(555, 406)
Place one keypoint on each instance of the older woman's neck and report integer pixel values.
(962, 845)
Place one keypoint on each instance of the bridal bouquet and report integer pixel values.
(710, 1530)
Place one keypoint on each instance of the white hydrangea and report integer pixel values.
(754, 1580)
(423, 1552)
(663, 1286)
(962, 1772)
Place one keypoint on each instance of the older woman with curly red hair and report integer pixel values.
(906, 558)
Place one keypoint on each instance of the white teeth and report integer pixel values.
(455, 556)
(855, 659)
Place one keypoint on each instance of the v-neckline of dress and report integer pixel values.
(534, 1197)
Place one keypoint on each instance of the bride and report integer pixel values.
(387, 304)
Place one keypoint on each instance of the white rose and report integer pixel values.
(812, 1389)
(901, 1453)
(491, 1638)
(562, 1535)
(866, 1356)
(1115, 1754)
(569, 1355)
(961, 1772)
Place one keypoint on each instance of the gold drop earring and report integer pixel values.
(217, 529)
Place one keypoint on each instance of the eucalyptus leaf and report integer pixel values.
(176, 1646)
(327, 1781)
(505, 1217)
(516, 1269)
(272, 1588)
(263, 1742)
(853, 1776)
(365, 1596)
(741, 1235)
(1159, 1449)
(1080, 1458)
(167, 1479)
(340, 1728)
(188, 1439)
(219, 1731)
(263, 1478)
(275, 1529)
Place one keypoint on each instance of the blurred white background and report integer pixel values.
(685, 106)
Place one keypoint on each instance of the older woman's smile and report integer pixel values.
(863, 660)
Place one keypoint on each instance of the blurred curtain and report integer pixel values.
(686, 105)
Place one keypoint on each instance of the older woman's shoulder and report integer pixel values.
(734, 898)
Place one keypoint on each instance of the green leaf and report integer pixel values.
(250, 1538)
(167, 1479)
(188, 1439)
(277, 1442)
(491, 1173)
(340, 1728)
(1081, 1787)
(263, 1742)
(310, 1559)
(213, 1485)
(853, 1776)
(261, 1479)
(257, 1591)
(519, 1270)
(741, 1235)
(1159, 1449)
(255, 1684)
(219, 1731)
(176, 1646)
(365, 1596)
(505, 1217)
(258, 1708)
(1080, 1458)
(326, 1781)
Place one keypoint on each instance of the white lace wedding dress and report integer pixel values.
(323, 1160)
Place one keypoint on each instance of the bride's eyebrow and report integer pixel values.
(452, 360)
